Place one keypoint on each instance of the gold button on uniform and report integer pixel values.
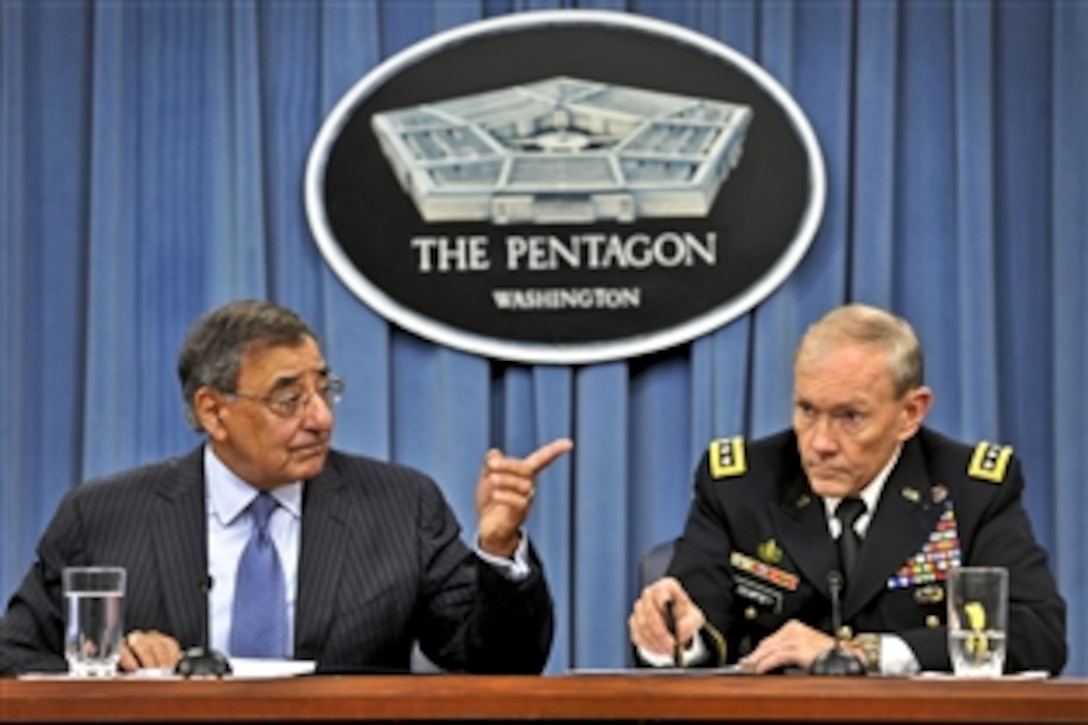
(933, 621)
(845, 633)
(750, 613)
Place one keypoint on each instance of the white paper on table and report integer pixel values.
(1025, 675)
(243, 668)
(262, 668)
(660, 671)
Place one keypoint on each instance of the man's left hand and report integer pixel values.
(793, 645)
(505, 493)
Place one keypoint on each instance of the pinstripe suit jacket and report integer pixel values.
(381, 565)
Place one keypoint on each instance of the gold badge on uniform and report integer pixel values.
(769, 552)
(929, 594)
(912, 494)
(727, 457)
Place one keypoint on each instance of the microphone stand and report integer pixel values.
(202, 660)
(837, 660)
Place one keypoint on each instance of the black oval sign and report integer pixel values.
(565, 186)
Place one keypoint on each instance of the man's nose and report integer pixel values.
(318, 413)
(824, 437)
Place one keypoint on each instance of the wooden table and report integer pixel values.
(586, 697)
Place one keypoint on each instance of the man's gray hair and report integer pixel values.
(866, 325)
(212, 353)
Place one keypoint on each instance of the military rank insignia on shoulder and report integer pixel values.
(727, 457)
(989, 462)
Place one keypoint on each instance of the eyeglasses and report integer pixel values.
(293, 404)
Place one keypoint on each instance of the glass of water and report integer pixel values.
(978, 612)
(94, 596)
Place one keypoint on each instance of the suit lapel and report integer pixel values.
(180, 545)
(904, 518)
(324, 530)
(801, 526)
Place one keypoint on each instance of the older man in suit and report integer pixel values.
(366, 556)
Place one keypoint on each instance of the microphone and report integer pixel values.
(202, 660)
(836, 660)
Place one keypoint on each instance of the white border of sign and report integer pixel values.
(565, 354)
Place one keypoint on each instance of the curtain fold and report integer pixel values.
(870, 176)
(975, 264)
(152, 158)
(600, 514)
(1067, 363)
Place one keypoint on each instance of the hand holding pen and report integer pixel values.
(662, 621)
(677, 647)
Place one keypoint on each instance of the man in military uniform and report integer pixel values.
(749, 579)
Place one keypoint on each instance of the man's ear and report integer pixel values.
(209, 407)
(916, 405)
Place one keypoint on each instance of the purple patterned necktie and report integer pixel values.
(259, 615)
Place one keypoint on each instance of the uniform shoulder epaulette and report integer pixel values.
(989, 462)
(727, 457)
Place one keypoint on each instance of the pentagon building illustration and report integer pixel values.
(563, 150)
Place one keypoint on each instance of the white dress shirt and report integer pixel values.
(227, 498)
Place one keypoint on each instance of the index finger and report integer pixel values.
(543, 456)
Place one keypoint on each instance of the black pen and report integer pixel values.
(670, 623)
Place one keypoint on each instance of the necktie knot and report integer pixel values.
(849, 511)
(261, 509)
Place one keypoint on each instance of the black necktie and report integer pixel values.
(847, 512)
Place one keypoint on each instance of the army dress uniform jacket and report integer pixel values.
(756, 549)
(381, 565)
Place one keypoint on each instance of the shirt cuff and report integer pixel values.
(896, 657)
(694, 653)
(517, 567)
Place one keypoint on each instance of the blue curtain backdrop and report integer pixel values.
(151, 166)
